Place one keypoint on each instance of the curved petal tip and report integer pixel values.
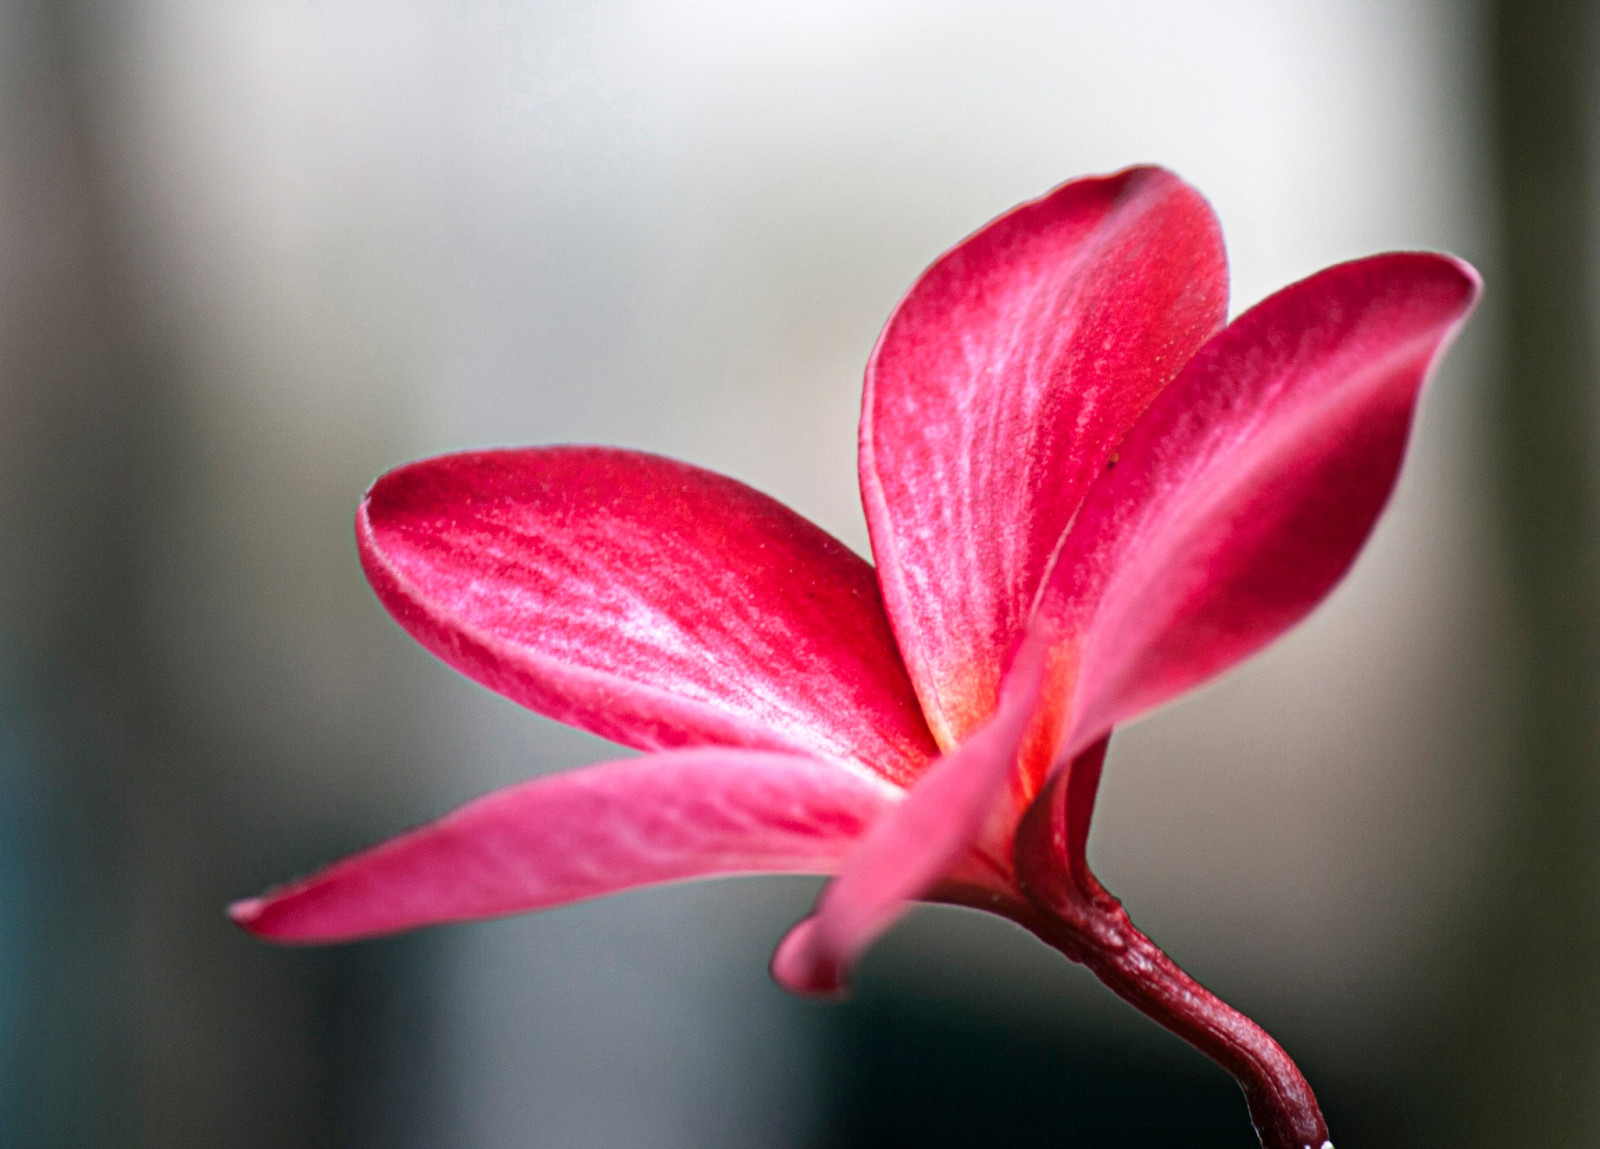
(908, 851)
(246, 912)
(802, 966)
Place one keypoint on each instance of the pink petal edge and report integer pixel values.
(909, 851)
(998, 387)
(1247, 490)
(563, 838)
(648, 601)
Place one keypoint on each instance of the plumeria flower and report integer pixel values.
(1085, 494)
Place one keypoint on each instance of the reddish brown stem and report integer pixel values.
(1085, 922)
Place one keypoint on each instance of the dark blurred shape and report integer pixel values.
(909, 1073)
(134, 1015)
(372, 1035)
(77, 475)
(1526, 1071)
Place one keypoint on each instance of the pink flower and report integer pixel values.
(1085, 495)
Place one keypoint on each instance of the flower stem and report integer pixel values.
(1079, 917)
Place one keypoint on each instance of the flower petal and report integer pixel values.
(999, 386)
(635, 822)
(646, 600)
(1246, 491)
(908, 852)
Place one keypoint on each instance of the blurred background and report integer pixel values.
(253, 253)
